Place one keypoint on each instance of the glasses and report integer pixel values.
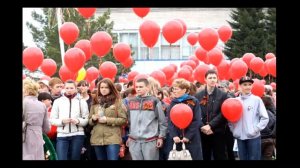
(221, 87)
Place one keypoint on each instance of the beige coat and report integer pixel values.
(109, 132)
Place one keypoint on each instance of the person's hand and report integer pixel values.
(102, 119)
(176, 139)
(159, 143)
(95, 117)
(185, 140)
(66, 121)
(206, 129)
(74, 121)
(127, 142)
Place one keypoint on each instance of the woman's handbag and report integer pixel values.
(184, 154)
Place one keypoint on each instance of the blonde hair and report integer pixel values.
(154, 85)
(30, 87)
(182, 84)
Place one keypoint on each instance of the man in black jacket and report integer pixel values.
(214, 123)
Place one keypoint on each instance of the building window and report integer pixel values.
(132, 40)
(149, 53)
(170, 51)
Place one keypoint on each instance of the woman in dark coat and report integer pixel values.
(190, 135)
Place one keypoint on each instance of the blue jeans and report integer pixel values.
(107, 152)
(249, 149)
(69, 146)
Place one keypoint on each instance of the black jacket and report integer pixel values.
(270, 130)
(211, 109)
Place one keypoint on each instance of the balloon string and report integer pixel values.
(182, 132)
(170, 50)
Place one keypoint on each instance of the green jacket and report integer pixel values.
(109, 132)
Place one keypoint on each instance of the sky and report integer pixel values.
(27, 37)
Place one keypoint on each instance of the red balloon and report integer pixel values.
(69, 32)
(159, 76)
(199, 73)
(108, 69)
(223, 68)
(201, 54)
(65, 74)
(86, 12)
(86, 47)
(92, 85)
(232, 109)
(195, 59)
(184, 73)
(48, 66)
(32, 58)
(181, 115)
(263, 72)
(172, 31)
(192, 38)
(247, 58)
(121, 52)
(208, 38)
(271, 66)
(169, 71)
(258, 88)
(74, 59)
(128, 62)
(269, 56)
(256, 64)
(101, 43)
(183, 26)
(92, 73)
(141, 12)
(131, 75)
(225, 33)
(174, 67)
(238, 69)
(149, 31)
(215, 56)
(191, 63)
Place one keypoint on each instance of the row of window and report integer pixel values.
(162, 49)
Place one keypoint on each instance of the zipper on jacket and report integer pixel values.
(70, 115)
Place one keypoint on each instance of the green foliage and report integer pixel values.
(46, 35)
(254, 31)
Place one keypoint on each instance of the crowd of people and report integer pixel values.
(131, 121)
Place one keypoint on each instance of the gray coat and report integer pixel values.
(35, 122)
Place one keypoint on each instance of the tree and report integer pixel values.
(271, 30)
(46, 36)
(249, 33)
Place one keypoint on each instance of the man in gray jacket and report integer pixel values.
(254, 119)
(147, 124)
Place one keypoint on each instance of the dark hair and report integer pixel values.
(127, 92)
(198, 84)
(109, 99)
(193, 89)
(118, 87)
(44, 96)
(145, 81)
(160, 91)
(83, 82)
(130, 83)
(98, 80)
(211, 71)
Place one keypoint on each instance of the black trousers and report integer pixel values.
(213, 146)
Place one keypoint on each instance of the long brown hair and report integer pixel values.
(109, 99)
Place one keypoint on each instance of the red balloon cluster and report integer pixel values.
(69, 32)
(159, 76)
(181, 115)
(32, 58)
(232, 109)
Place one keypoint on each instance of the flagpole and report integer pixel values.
(61, 43)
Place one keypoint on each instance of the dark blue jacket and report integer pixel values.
(192, 131)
